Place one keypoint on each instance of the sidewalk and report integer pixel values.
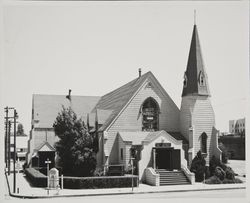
(26, 191)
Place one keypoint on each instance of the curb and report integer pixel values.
(114, 193)
(120, 193)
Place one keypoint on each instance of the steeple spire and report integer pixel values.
(195, 77)
(194, 17)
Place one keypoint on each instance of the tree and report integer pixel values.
(75, 146)
(20, 130)
(198, 166)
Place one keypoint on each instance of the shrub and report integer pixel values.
(229, 173)
(99, 182)
(198, 167)
(237, 180)
(220, 173)
(213, 163)
(36, 178)
(213, 180)
(207, 172)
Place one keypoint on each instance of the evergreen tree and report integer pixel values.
(75, 146)
(198, 166)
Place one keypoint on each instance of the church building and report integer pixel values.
(138, 122)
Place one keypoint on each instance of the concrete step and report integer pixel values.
(172, 177)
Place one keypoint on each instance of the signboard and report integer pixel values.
(163, 144)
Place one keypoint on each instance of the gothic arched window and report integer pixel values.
(201, 79)
(204, 142)
(150, 115)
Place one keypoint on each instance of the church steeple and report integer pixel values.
(195, 77)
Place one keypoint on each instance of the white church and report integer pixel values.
(139, 120)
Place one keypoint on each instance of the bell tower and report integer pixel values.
(197, 120)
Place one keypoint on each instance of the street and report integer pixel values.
(221, 194)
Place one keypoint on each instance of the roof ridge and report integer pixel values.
(64, 95)
(130, 82)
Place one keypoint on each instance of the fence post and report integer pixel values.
(62, 180)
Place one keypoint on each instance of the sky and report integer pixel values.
(95, 47)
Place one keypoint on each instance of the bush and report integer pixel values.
(220, 173)
(207, 172)
(198, 167)
(229, 173)
(99, 182)
(237, 180)
(213, 180)
(36, 178)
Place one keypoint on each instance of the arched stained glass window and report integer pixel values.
(204, 142)
(150, 115)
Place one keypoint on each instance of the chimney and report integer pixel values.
(69, 95)
(139, 72)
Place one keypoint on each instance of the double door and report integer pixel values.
(168, 158)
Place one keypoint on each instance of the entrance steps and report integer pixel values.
(172, 177)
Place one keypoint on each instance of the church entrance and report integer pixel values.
(167, 158)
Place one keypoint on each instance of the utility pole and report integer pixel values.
(14, 162)
(6, 137)
(8, 147)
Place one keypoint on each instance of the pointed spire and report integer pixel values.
(195, 77)
(194, 17)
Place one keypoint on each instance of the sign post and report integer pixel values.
(132, 165)
(48, 162)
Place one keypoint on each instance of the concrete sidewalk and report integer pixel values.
(26, 191)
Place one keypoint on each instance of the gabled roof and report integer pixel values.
(117, 99)
(135, 137)
(102, 116)
(45, 146)
(138, 138)
(178, 136)
(47, 107)
(195, 66)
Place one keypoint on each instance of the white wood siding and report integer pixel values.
(131, 120)
(198, 112)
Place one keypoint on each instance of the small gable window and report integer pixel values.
(185, 80)
(201, 79)
(204, 142)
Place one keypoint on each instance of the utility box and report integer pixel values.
(54, 178)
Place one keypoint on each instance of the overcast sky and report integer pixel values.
(95, 47)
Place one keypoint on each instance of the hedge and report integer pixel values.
(99, 182)
(38, 179)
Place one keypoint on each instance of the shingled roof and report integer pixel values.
(117, 99)
(195, 66)
(47, 107)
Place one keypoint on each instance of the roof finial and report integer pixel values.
(194, 16)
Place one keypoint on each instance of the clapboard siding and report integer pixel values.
(204, 121)
(187, 104)
(197, 111)
(130, 118)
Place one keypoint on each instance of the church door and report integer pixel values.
(176, 159)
